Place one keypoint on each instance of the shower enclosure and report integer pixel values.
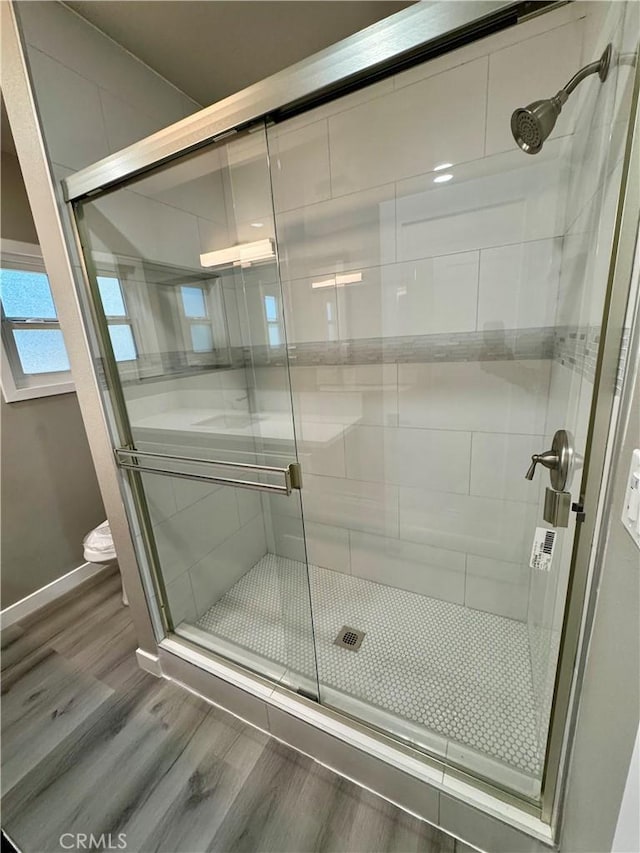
(331, 340)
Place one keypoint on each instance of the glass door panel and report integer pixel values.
(443, 297)
(184, 279)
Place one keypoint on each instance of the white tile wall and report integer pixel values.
(487, 527)
(532, 69)
(430, 296)
(438, 459)
(189, 492)
(346, 233)
(498, 465)
(129, 224)
(435, 572)
(195, 185)
(192, 532)
(216, 573)
(497, 586)
(66, 37)
(519, 285)
(493, 202)
(125, 124)
(326, 545)
(160, 496)
(249, 183)
(288, 536)
(353, 504)
(440, 119)
(356, 496)
(181, 600)
(75, 137)
(316, 454)
(478, 253)
(311, 312)
(300, 159)
(363, 393)
(434, 296)
(487, 396)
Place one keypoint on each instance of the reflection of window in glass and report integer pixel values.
(332, 326)
(195, 309)
(36, 361)
(118, 320)
(273, 324)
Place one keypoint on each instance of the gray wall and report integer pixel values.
(15, 214)
(610, 701)
(50, 496)
(93, 98)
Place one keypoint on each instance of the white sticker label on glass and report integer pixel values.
(544, 541)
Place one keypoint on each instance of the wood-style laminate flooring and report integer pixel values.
(93, 745)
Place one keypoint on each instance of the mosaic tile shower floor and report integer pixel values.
(461, 673)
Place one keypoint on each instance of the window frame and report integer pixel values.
(17, 385)
(215, 318)
(272, 324)
(120, 320)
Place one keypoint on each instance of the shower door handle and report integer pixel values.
(130, 460)
(558, 460)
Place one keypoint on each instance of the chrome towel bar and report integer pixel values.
(128, 460)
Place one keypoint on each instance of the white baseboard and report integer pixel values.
(148, 662)
(41, 597)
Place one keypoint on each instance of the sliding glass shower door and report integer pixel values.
(384, 301)
(184, 278)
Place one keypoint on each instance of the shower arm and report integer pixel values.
(591, 68)
(600, 67)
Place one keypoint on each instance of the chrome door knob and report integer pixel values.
(558, 460)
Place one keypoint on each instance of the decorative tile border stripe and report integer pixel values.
(575, 347)
(623, 359)
(488, 345)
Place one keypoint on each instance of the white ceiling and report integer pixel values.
(213, 48)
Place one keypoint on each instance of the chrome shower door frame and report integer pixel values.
(420, 32)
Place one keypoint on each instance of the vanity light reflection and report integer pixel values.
(338, 280)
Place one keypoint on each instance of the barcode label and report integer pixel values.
(544, 542)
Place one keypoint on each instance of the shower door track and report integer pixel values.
(415, 35)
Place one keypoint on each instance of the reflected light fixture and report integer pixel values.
(257, 224)
(442, 166)
(442, 179)
(244, 254)
(338, 280)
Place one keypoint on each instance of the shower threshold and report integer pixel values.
(441, 677)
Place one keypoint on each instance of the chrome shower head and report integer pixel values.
(532, 124)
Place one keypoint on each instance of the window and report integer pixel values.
(273, 325)
(196, 312)
(118, 320)
(35, 361)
